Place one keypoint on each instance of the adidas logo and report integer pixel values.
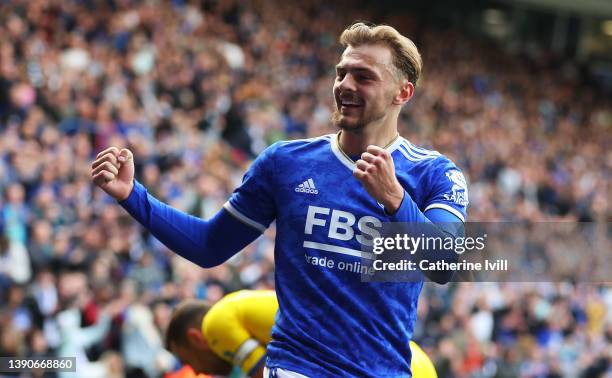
(307, 186)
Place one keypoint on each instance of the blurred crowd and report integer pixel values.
(196, 90)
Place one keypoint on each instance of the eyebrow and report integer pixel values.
(357, 69)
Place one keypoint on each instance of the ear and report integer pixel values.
(405, 93)
(195, 338)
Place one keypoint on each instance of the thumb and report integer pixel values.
(125, 155)
(126, 170)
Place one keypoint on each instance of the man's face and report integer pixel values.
(201, 359)
(365, 86)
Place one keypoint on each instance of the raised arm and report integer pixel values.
(376, 171)
(204, 242)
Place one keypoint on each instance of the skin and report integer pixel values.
(197, 354)
(365, 75)
(113, 172)
(201, 358)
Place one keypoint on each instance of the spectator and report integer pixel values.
(198, 89)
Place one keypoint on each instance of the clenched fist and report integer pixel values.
(113, 171)
(376, 172)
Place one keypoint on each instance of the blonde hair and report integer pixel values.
(406, 56)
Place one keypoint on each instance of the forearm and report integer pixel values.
(205, 243)
(436, 224)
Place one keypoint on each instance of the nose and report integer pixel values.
(347, 83)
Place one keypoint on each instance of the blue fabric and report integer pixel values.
(206, 243)
(435, 223)
(441, 216)
(330, 323)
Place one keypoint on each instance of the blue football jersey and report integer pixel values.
(330, 323)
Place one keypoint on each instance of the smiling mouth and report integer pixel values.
(348, 105)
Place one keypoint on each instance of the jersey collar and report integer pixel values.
(346, 160)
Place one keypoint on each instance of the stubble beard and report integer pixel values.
(354, 127)
(342, 124)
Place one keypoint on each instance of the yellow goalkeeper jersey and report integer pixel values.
(238, 329)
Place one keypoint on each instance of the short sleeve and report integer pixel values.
(447, 189)
(253, 201)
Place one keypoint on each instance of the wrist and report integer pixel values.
(394, 201)
(129, 191)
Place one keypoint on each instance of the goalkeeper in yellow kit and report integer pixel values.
(235, 332)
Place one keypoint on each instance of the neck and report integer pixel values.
(354, 143)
